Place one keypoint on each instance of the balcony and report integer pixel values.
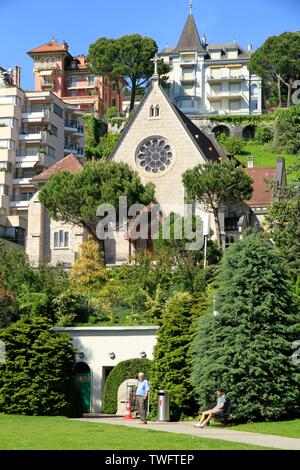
(81, 85)
(32, 137)
(228, 78)
(47, 84)
(192, 62)
(21, 200)
(73, 127)
(225, 95)
(29, 161)
(189, 104)
(23, 181)
(75, 149)
(36, 116)
(188, 80)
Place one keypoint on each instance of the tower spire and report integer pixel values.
(191, 7)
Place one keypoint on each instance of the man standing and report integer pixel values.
(142, 397)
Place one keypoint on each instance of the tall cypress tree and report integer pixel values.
(246, 346)
(171, 365)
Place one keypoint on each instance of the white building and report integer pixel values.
(100, 349)
(37, 130)
(211, 78)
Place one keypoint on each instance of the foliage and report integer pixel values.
(126, 61)
(107, 144)
(38, 375)
(283, 221)
(8, 308)
(94, 129)
(88, 273)
(111, 112)
(254, 119)
(277, 61)
(246, 348)
(263, 134)
(214, 184)
(75, 197)
(124, 370)
(287, 129)
(71, 307)
(234, 145)
(171, 362)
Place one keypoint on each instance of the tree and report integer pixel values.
(126, 61)
(246, 346)
(171, 362)
(95, 128)
(87, 273)
(106, 145)
(287, 129)
(75, 197)
(39, 372)
(215, 184)
(283, 220)
(278, 60)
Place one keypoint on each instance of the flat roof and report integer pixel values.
(105, 328)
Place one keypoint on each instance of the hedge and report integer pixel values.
(123, 371)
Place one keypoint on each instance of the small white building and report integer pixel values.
(100, 349)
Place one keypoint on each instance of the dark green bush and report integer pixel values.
(234, 145)
(38, 375)
(263, 134)
(124, 370)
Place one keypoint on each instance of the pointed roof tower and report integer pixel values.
(190, 39)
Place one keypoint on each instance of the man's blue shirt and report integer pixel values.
(143, 388)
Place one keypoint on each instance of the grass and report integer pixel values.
(280, 428)
(265, 159)
(58, 433)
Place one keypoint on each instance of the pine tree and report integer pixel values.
(246, 346)
(171, 364)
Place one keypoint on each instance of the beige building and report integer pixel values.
(37, 130)
(48, 240)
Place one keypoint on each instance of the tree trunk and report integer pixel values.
(218, 229)
(289, 97)
(279, 93)
(132, 98)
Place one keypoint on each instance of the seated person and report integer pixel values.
(218, 409)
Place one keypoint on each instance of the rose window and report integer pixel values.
(155, 155)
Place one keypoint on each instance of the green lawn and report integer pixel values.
(58, 433)
(263, 159)
(281, 428)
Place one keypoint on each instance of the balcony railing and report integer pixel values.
(74, 125)
(74, 149)
(21, 197)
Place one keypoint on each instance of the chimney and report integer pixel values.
(250, 47)
(17, 76)
(65, 45)
(250, 161)
(203, 39)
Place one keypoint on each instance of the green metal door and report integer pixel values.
(83, 383)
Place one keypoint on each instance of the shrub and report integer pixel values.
(287, 129)
(39, 372)
(233, 145)
(263, 134)
(124, 370)
(111, 112)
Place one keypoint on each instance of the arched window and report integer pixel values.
(254, 89)
(157, 111)
(61, 239)
(151, 111)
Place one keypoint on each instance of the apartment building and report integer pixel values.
(211, 78)
(37, 129)
(56, 70)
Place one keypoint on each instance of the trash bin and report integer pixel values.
(163, 406)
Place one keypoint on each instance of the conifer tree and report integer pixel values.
(171, 364)
(88, 272)
(246, 345)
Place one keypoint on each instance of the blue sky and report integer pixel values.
(27, 24)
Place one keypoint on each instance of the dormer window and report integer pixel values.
(73, 64)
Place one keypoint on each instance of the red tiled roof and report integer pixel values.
(51, 46)
(262, 195)
(69, 163)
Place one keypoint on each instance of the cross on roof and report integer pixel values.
(155, 60)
